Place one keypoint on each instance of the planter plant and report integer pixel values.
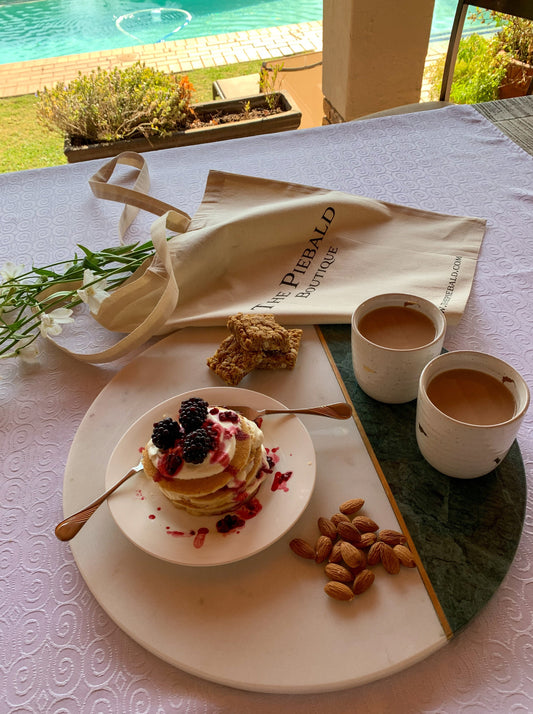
(490, 67)
(142, 109)
(515, 40)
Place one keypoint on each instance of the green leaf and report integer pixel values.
(88, 252)
(45, 273)
(119, 249)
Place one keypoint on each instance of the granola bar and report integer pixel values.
(232, 363)
(272, 359)
(258, 332)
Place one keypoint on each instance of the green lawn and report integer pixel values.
(25, 144)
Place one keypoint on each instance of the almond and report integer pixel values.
(348, 531)
(363, 561)
(404, 556)
(389, 559)
(336, 518)
(335, 555)
(391, 538)
(338, 591)
(363, 581)
(367, 539)
(334, 571)
(374, 554)
(302, 548)
(323, 548)
(352, 506)
(351, 555)
(327, 527)
(364, 524)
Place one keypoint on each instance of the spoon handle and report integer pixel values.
(68, 528)
(342, 410)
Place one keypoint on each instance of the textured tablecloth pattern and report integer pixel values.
(58, 651)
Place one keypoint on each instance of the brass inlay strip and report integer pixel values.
(423, 574)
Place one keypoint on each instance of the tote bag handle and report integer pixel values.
(170, 218)
(137, 197)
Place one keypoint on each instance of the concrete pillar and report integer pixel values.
(373, 55)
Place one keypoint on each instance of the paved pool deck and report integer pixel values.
(18, 78)
(177, 56)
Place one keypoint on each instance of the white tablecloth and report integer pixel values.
(59, 652)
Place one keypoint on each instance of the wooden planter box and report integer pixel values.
(517, 80)
(289, 118)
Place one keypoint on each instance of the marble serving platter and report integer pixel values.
(272, 605)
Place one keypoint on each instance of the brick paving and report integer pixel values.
(435, 51)
(176, 56)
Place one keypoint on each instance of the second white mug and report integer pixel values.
(470, 407)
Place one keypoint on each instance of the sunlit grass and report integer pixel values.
(24, 143)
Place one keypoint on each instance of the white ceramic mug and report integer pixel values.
(474, 425)
(391, 374)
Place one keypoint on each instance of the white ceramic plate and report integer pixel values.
(153, 524)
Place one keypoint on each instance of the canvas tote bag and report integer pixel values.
(305, 254)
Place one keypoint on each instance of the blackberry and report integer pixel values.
(193, 412)
(196, 446)
(213, 435)
(165, 433)
(229, 522)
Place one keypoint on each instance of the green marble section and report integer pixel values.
(466, 531)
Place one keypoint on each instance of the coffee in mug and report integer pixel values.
(470, 407)
(471, 396)
(397, 327)
(393, 337)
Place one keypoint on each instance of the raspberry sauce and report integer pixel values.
(249, 510)
(199, 538)
(177, 534)
(279, 482)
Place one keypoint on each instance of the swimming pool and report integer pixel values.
(36, 29)
(50, 28)
(443, 15)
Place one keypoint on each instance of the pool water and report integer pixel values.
(50, 28)
(36, 29)
(443, 15)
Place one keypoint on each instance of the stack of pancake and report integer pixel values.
(230, 474)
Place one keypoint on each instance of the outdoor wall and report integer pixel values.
(373, 55)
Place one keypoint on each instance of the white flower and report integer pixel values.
(51, 322)
(29, 353)
(95, 294)
(27, 350)
(4, 296)
(10, 270)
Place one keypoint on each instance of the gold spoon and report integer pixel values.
(68, 528)
(341, 410)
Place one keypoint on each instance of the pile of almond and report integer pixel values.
(348, 543)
